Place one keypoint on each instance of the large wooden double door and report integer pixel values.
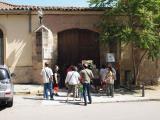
(76, 45)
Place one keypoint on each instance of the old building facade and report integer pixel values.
(65, 36)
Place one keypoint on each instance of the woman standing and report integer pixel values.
(72, 79)
(110, 82)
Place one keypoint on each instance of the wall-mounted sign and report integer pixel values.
(110, 57)
(47, 53)
(87, 61)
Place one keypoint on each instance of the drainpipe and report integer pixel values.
(29, 21)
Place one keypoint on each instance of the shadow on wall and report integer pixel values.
(16, 58)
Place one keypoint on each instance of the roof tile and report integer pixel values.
(7, 6)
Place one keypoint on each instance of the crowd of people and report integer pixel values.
(79, 78)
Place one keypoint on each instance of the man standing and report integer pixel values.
(48, 81)
(86, 76)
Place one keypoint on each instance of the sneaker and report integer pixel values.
(100, 89)
(90, 103)
(56, 94)
(52, 99)
(45, 98)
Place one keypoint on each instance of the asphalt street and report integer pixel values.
(34, 107)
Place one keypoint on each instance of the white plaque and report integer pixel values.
(47, 53)
(110, 57)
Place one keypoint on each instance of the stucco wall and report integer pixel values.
(17, 39)
(149, 70)
(63, 21)
(20, 42)
(58, 23)
(18, 46)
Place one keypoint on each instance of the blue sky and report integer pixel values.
(76, 3)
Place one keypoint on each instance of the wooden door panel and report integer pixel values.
(89, 46)
(67, 47)
(76, 45)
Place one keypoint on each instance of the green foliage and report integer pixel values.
(142, 25)
(102, 3)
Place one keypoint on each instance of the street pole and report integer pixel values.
(143, 90)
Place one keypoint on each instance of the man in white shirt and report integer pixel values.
(47, 81)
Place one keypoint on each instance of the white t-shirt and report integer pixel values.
(46, 73)
(72, 78)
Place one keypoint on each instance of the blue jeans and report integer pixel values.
(48, 87)
(86, 88)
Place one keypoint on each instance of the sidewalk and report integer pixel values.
(152, 93)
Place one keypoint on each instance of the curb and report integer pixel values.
(22, 93)
(123, 101)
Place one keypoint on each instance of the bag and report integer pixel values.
(109, 79)
(104, 82)
(67, 85)
(50, 79)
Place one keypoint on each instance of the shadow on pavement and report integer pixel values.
(33, 98)
(121, 91)
(38, 98)
(2, 107)
(71, 102)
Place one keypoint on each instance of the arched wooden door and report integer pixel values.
(1, 48)
(76, 45)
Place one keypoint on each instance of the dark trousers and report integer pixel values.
(110, 89)
(86, 88)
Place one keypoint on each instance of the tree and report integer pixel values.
(102, 3)
(141, 28)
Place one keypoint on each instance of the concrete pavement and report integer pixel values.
(152, 93)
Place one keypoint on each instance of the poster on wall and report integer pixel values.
(110, 57)
(47, 53)
(87, 61)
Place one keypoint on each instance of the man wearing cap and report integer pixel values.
(86, 76)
